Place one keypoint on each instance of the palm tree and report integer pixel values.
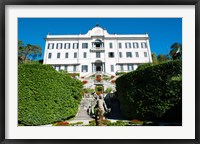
(176, 51)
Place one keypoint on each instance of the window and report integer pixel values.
(58, 55)
(57, 67)
(145, 54)
(136, 54)
(111, 55)
(112, 68)
(75, 45)
(128, 54)
(130, 67)
(67, 46)
(66, 55)
(127, 45)
(65, 68)
(85, 45)
(59, 46)
(84, 68)
(110, 45)
(120, 54)
(143, 45)
(120, 45)
(49, 55)
(84, 55)
(135, 45)
(74, 68)
(121, 67)
(75, 55)
(98, 44)
(98, 55)
(51, 46)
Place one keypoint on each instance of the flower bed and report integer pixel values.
(85, 81)
(64, 123)
(135, 121)
(112, 77)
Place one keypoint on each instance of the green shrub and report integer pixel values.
(74, 74)
(143, 66)
(118, 123)
(98, 88)
(148, 93)
(92, 123)
(120, 73)
(106, 78)
(88, 90)
(46, 96)
(108, 90)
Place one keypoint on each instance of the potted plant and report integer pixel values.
(98, 78)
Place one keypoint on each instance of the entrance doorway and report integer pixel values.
(98, 68)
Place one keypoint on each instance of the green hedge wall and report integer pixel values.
(45, 95)
(143, 66)
(149, 93)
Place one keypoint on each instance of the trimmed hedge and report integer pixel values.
(46, 96)
(149, 93)
(143, 66)
(120, 73)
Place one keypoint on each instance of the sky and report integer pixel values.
(163, 32)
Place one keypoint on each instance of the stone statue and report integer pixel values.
(101, 108)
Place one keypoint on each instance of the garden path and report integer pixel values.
(82, 115)
(82, 112)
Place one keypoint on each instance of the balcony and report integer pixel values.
(97, 49)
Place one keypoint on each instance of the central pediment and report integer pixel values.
(97, 31)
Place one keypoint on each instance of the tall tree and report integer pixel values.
(176, 51)
(162, 58)
(154, 58)
(28, 52)
(20, 47)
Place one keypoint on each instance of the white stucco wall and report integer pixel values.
(92, 35)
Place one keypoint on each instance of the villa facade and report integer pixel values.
(97, 51)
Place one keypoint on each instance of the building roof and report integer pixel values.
(97, 31)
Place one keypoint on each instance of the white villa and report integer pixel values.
(97, 51)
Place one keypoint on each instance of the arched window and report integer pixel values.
(98, 43)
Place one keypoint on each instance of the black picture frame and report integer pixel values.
(4, 3)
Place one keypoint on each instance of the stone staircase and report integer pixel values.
(109, 84)
(82, 112)
(92, 82)
(85, 102)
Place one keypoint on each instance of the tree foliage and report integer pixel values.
(176, 51)
(28, 52)
(162, 58)
(154, 58)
